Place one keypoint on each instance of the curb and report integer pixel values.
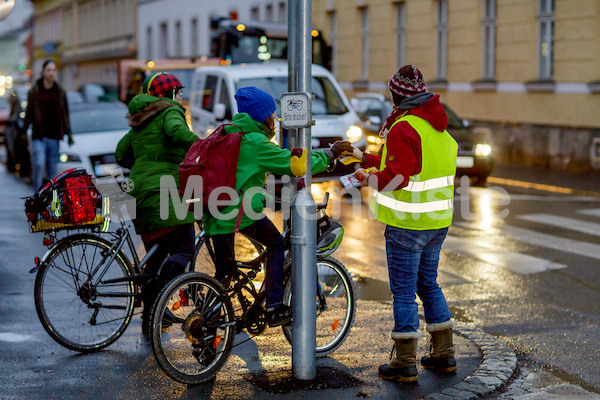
(498, 366)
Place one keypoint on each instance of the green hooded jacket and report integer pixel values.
(154, 147)
(258, 155)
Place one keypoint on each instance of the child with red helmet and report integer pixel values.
(157, 142)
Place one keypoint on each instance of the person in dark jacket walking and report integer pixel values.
(48, 113)
(414, 189)
(157, 142)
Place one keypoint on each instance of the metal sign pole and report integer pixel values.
(304, 230)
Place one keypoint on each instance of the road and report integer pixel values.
(520, 263)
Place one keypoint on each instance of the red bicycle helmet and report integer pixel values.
(160, 83)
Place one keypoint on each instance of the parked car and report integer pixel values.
(74, 98)
(213, 103)
(97, 129)
(475, 152)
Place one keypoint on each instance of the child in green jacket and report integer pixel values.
(157, 142)
(258, 155)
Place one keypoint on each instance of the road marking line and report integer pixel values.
(541, 239)
(14, 338)
(594, 212)
(539, 186)
(517, 262)
(572, 224)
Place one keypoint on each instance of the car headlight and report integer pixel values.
(64, 157)
(354, 134)
(482, 149)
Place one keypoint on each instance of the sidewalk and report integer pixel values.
(488, 367)
(261, 368)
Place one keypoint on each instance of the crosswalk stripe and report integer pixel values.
(542, 240)
(572, 224)
(517, 262)
(593, 212)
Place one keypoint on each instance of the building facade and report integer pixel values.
(528, 69)
(85, 37)
(184, 31)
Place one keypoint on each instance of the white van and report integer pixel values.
(212, 102)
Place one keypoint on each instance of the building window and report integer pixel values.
(489, 39)
(149, 43)
(282, 12)
(269, 13)
(254, 16)
(546, 39)
(178, 49)
(441, 38)
(400, 34)
(333, 40)
(364, 44)
(194, 48)
(163, 42)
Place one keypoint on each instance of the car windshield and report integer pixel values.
(367, 107)
(90, 120)
(327, 100)
(185, 77)
(453, 121)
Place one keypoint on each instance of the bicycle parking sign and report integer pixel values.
(296, 110)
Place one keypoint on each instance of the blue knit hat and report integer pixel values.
(256, 102)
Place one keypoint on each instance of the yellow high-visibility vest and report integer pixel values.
(427, 201)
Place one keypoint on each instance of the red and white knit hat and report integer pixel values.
(407, 82)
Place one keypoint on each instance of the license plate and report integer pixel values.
(464, 162)
(105, 169)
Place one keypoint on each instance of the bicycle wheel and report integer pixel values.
(192, 351)
(245, 250)
(77, 312)
(335, 305)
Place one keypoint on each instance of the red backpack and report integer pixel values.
(215, 160)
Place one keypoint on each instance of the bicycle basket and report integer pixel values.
(75, 204)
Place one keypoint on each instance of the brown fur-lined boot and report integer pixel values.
(403, 364)
(441, 357)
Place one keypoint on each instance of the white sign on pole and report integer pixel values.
(295, 110)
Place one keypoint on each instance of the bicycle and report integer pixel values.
(86, 287)
(205, 315)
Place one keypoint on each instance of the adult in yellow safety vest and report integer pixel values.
(414, 189)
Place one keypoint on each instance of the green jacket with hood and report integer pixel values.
(157, 142)
(258, 155)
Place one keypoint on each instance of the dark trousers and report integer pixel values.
(175, 250)
(265, 233)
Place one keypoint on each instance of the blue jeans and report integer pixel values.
(413, 258)
(45, 155)
(265, 233)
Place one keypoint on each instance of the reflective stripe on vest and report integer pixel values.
(427, 201)
(397, 205)
(430, 184)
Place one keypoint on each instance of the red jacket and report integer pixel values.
(403, 143)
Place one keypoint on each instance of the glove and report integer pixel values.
(338, 148)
